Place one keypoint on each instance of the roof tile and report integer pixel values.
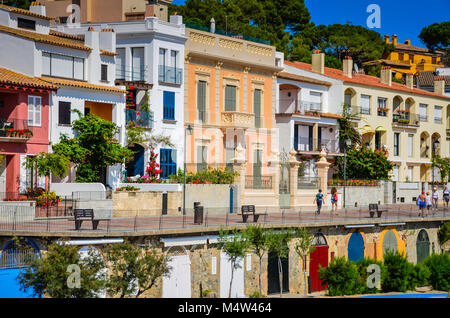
(8, 77)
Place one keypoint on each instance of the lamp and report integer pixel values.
(347, 145)
(188, 131)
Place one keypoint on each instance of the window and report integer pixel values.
(382, 102)
(202, 158)
(411, 58)
(120, 64)
(201, 100)
(437, 114)
(401, 56)
(137, 60)
(168, 162)
(34, 110)
(434, 60)
(26, 24)
(162, 57)
(365, 104)
(168, 105)
(64, 113)
(104, 72)
(230, 98)
(396, 144)
(257, 107)
(410, 145)
(316, 100)
(410, 174)
(173, 58)
(423, 112)
(62, 66)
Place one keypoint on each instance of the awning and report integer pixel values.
(367, 130)
(91, 241)
(381, 128)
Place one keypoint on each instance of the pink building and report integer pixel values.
(24, 129)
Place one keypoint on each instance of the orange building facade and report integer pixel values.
(230, 97)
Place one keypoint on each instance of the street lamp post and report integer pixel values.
(347, 144)
(187, 131)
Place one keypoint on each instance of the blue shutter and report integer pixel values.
(169, 105)
(168, 162)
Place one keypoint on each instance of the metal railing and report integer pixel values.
(170, 74)
(130, 73)
(139, 118)
(308, 183)
(228, 33)
(405, 118)
(14, 127)
(152, 219)
(314, 144)
(258, 182)
(310, 106)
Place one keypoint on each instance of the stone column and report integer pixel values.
(322, 172)
(293, 175)
(274, 163)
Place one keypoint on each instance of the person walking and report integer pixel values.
(446, 196)
(319, 199)
(435, 197)
(421, 201)
(334, 200)
(429, 204)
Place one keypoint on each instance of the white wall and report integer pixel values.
(18, 55)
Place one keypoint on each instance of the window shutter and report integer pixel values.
(257, 107)
(104, 73)
(169, 105)
(37, 111)
(230, 98)
(201, 100)
(30, 110)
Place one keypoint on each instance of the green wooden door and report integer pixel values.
(422, 246)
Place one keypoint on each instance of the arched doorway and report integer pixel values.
(318, 257)
(137, 165)
(389, 242)
(422, 246)
(424, 145)
(273, 280)
(355, 247)
(178, 283)
(13, 257)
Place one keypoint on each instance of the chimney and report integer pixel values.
(91, 39)
(176, 19)
(439, 85)
(318, 62)
(158, 8)
(386, 75)
(38, 8)
(408, 42)
(348, 66)
(386, 39)
(410, 81)
(394, 39)
(212, 29)
(107, 40)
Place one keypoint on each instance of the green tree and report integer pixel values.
(303, 248)
(443, 164)
(47, 164)
(436, 36)
(399, 272)
(134, 270)
(444, 232)
(439, 268)
(235, 246)
(22, 4)
(278, 241)
(93, 148)
(341, 277)
(51, 273)
(257, 239)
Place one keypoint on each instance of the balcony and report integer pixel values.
(130, 73)
(258, 182)
(15, 130)
(139, 118)
(382, 111)
(355, 112)
(405, 118)
(314, 145)
(238, 120)
(290, 106)
(170, 75)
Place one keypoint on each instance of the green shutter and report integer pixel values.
(201, 100)
(230, 98)
(257, 108)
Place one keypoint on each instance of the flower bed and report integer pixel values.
(127, 188)
(47, 199)
(352, 183)
(21, 133)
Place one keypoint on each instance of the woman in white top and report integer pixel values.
(429, 204)
(435, 198)
(446, 196)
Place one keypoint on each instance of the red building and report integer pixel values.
(24, 128)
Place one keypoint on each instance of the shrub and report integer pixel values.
(256, 294)
(47, 199)
(420, 276)
(341, 277)
(207, 176)
(444, 233)
(363, 275)
(439, 267)
(399, 272)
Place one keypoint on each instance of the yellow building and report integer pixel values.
(409, 59)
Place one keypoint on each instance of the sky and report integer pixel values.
(404, 18)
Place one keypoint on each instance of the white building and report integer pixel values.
(151, 61)
(83, 67)
(307, 110)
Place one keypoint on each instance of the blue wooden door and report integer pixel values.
(137, 164)
(355, 247)
(231, 199)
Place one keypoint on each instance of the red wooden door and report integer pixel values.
(318, 257)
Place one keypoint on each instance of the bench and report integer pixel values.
(373, 207)
(247, 210)
(81, 215)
